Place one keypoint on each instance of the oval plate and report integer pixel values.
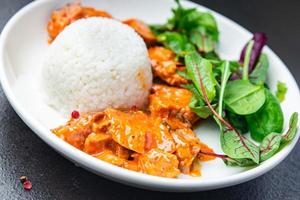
(23, 46)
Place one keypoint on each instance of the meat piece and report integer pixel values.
(75, 131)
(159, 163)
(138, 132)
(164, 65)
(187, 148)
(110, 157)
(68, 14)
(96, 143)
(171, 101)
(142, 29)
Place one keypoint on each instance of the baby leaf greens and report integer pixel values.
(233, 143)
(237, 121)
(281, 91)
(267, 120)
(199, 30)
(259, 40)
(177, 42)
(244, 98)
(259, 75)
(234, 93)
(197, 67)
(271, 143)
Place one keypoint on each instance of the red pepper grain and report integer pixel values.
(27, 185)
(75, 114)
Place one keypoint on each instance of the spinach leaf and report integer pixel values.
(281, 91)
(266, 120)
(177, 42)
(259, 75)
(197, 66)
(244, 98)
(274, 141)
(237, 121)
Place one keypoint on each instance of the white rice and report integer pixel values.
(97, 63)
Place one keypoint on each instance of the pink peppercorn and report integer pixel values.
(27, 185)
(75, 114)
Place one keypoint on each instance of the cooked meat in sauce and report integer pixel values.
(164, 65)
(68, 14)
(135, 140)
(171, 101)
(142, 29)
(72, 12)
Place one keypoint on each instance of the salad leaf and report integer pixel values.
(244, 98)
(259, 75)
(200, 28)
(238, 147)
(183, 74)
(269, 146)
(200, 108)
(204, 43)
(197, 66)
(266, 120)
(238, 162)
(212, 55)
(259, 39)
(293, 125)
(281, 91)
(274, 141)
(247, 60)
(238, 121)
(177, 42)
(233, 143)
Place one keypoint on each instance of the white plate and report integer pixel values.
(23, 46)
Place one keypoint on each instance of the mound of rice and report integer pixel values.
(97, 63)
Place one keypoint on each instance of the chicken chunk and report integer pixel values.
(96, 143)
(171, 101)
(110, 157)
(165, 66)
(159, 163)
(138, 132)
(187, 148)
(68, 14)
(142, 29)
(75, 131)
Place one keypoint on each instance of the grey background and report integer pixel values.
(53, 177)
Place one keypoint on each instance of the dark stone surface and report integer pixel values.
(53, 177)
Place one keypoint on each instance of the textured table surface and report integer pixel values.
(53, 177)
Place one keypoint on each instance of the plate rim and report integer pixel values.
(121, 175)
